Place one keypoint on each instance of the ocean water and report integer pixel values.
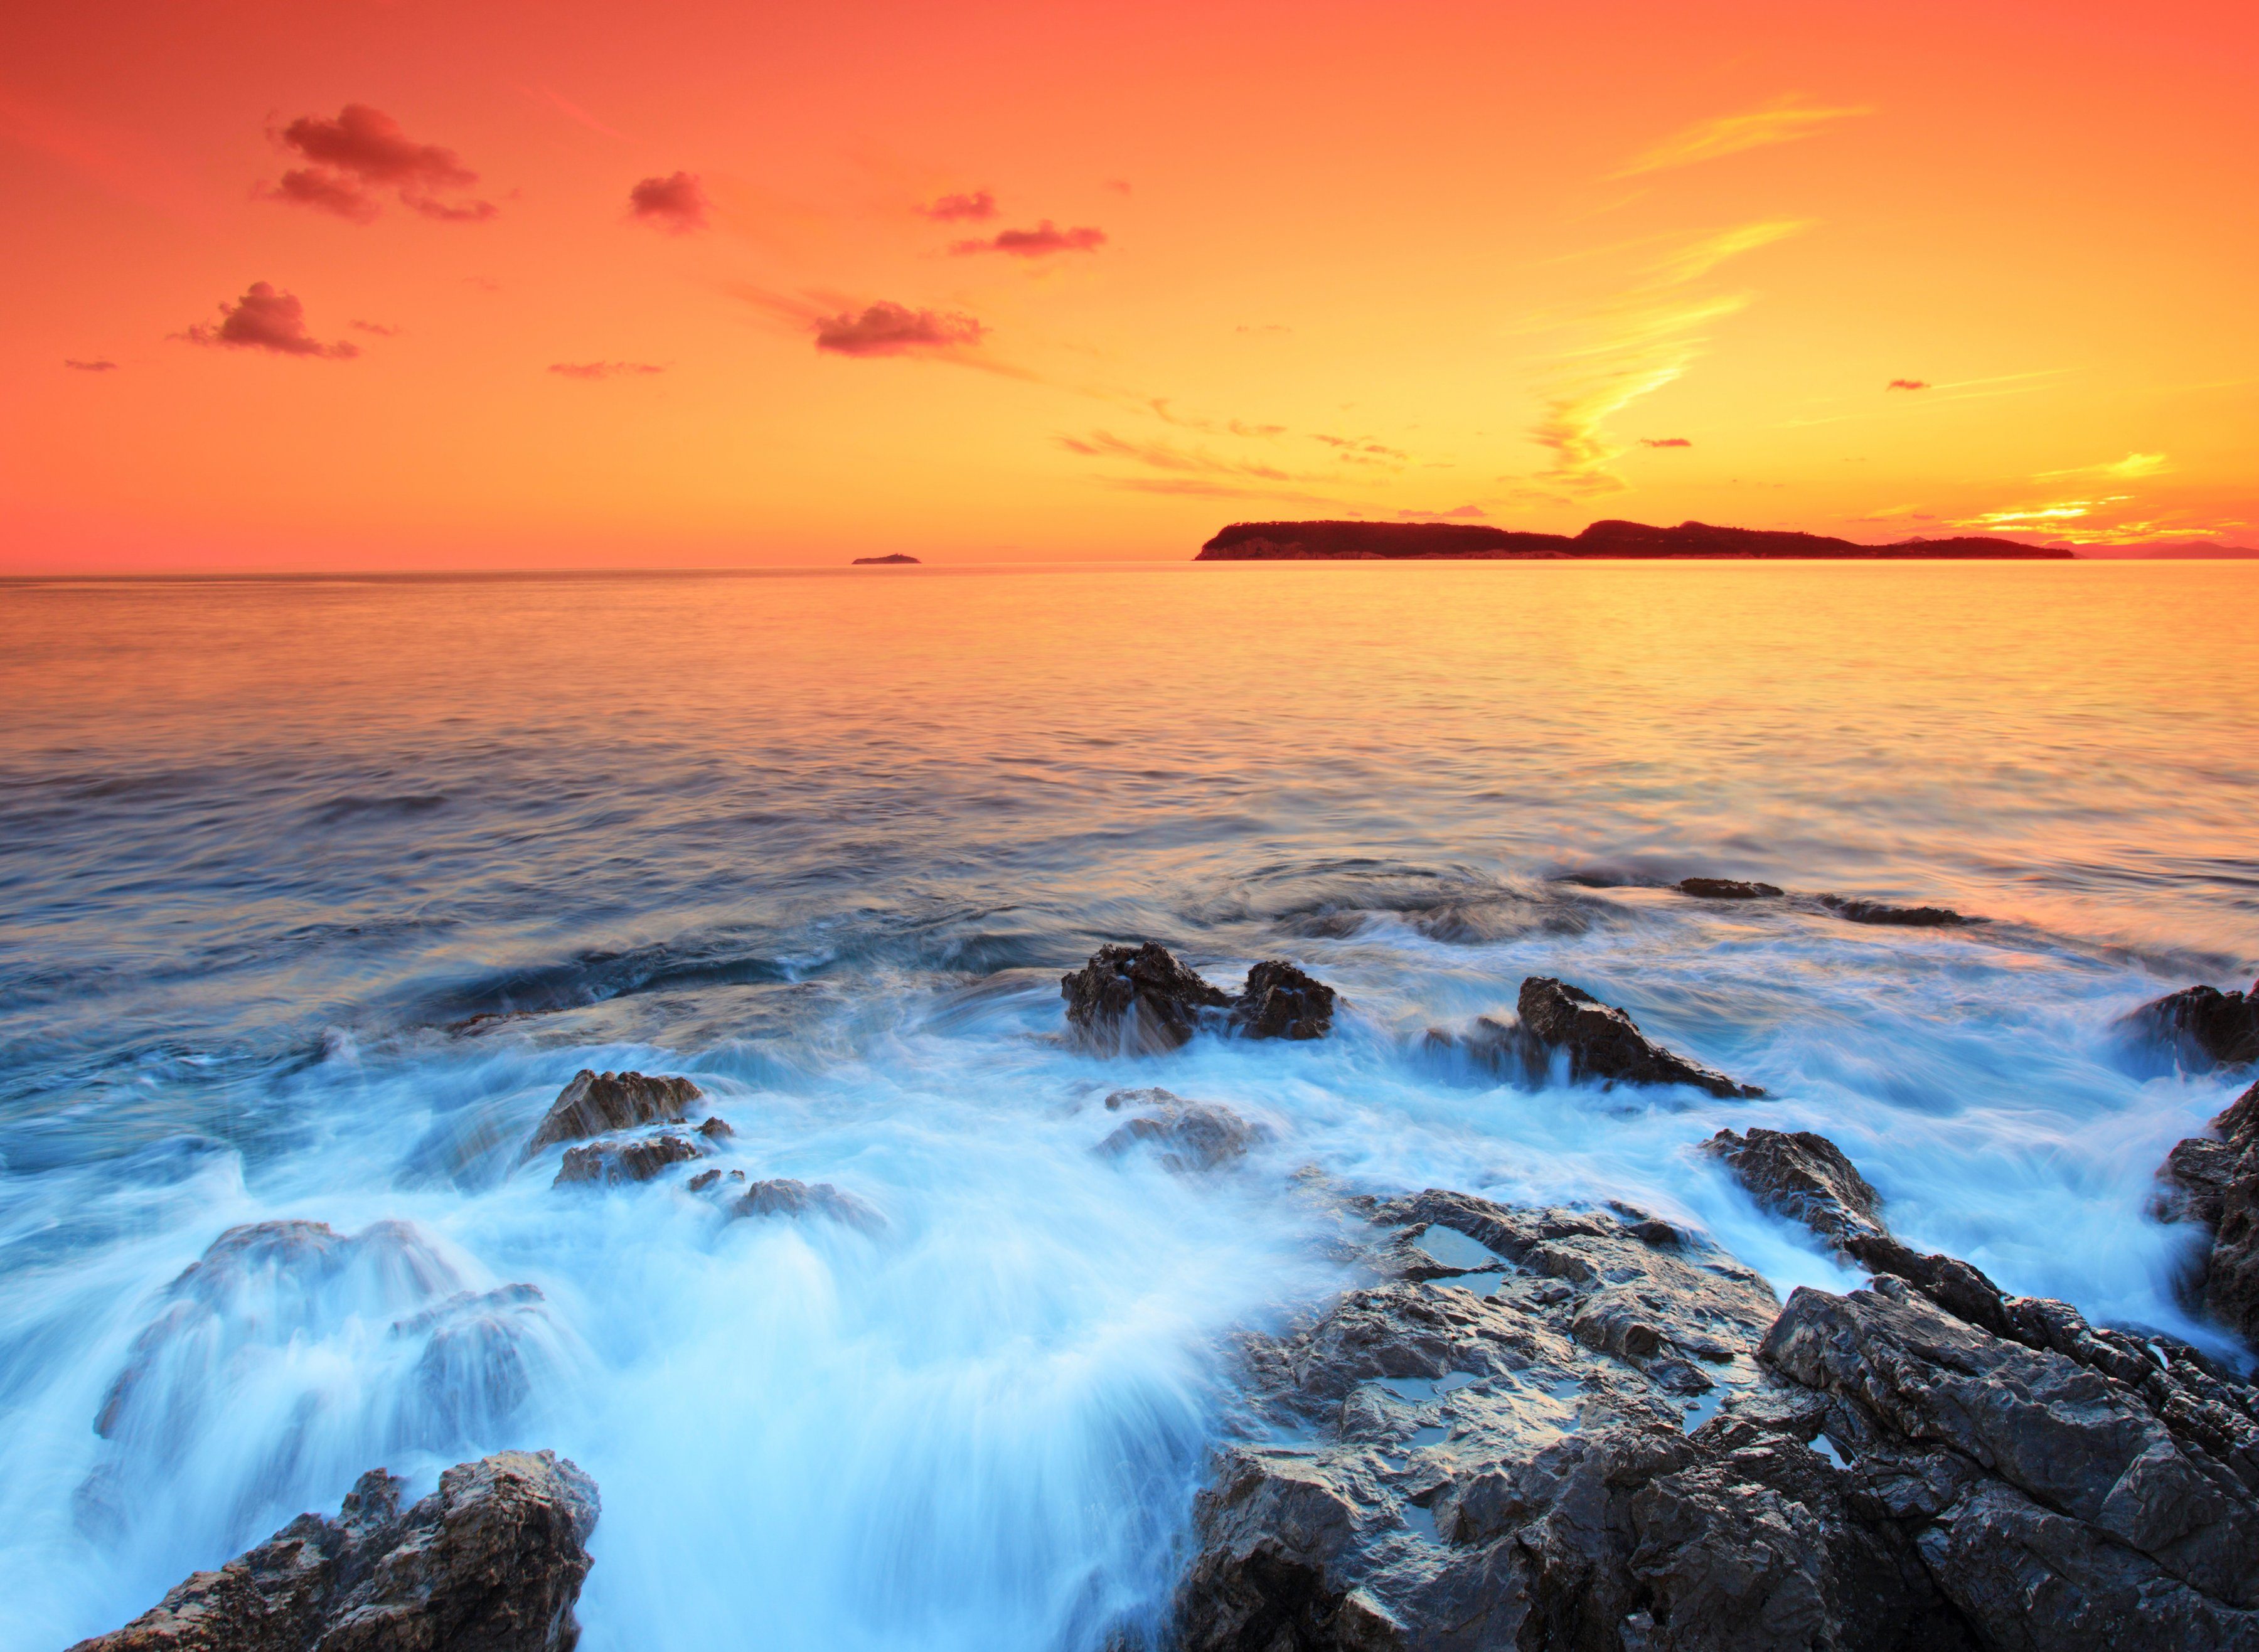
(312, 895)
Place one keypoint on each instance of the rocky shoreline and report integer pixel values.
(1527, 1428)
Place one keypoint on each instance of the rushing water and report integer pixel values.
(316, 892)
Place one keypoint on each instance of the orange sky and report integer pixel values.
(1542, 263)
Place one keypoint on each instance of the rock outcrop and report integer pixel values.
(491, 1562)
(1184, 1136)
(1902, 917)
(1726, 889)
(595, 1102)
(1614, 1443)
(637, 1159)
(2214, 1180)
(1603, 1043)
(1140, 1000)
(1805, 1178)
(2202, 1027)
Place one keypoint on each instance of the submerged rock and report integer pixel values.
(1904, 917)
(1805, 1178)
(2202, 1026)
(2215, 1180)
(1424, 1466)
(1280, 1002)
(1604, 1043)
(596, 1102)
(1140, 1000)
(608, 1164)
(784, 1197)
(1184, 1135)
(1726, 889)
(491, 1562)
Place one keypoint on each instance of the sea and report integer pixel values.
(314, 893)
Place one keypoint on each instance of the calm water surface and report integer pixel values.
(312, 895)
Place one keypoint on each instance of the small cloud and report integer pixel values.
(961, 209)
(885, 328)
(484, 283)
(266, 319)
(1462, 513)
(1120, 186)
(1907, 384)
(364, 150)
(90, 367)
(1040, 242)
(1664, 441)
(1783, 120)
(1239, 428)
(600, 369)
(676, 203)
(380, 329)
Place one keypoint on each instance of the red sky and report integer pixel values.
(411, 285)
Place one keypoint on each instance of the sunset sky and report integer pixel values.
(411, 285)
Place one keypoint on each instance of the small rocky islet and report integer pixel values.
(1525, 1427)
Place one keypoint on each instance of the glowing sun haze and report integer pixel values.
(411, 285)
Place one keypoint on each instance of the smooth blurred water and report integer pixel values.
(316, 892)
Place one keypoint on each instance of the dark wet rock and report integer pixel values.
(2202, 1026)
(596, 1102)
(1280, 1002)
(1726, 889)
(783, 1197)
(1604, 1043)
(2214, 1180)
(1622, 1446)
(637, 1159)
(716, 1130)
(1140, 1000)
(1184, 1135)
(703, 1180)
(1805, 1178)
(1903, 917)
(1137, 998)
(491, 1562)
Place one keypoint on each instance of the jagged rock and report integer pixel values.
(2216, 1182)
(1280, 1002)
(1604, 1043)
(1423, 1467)
(1726, 889)
(1904, 917)
(1141, 1000)
(703, 1180)
(2204, 1027)
(596, 1102)
(783, 1197)
(716, 1130)
(1138, 999)
(635, 1160)
(491, 1562)
(1184, 1135)
(1805, 1178)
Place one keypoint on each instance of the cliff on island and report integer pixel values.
(1397, 541)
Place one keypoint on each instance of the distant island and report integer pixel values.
(1398, 541)
(896, 560)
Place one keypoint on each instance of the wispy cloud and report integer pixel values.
(676, 203)
(1664, 441)
(2126, 469)
(602, 369)
(1783, 120)
(364, 150)
(90, 367)
(266, 319)
(1041, 242)
(1457, 513)
(1166, 456)
(1630, 345)
(1907, 384)
(383, 329)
